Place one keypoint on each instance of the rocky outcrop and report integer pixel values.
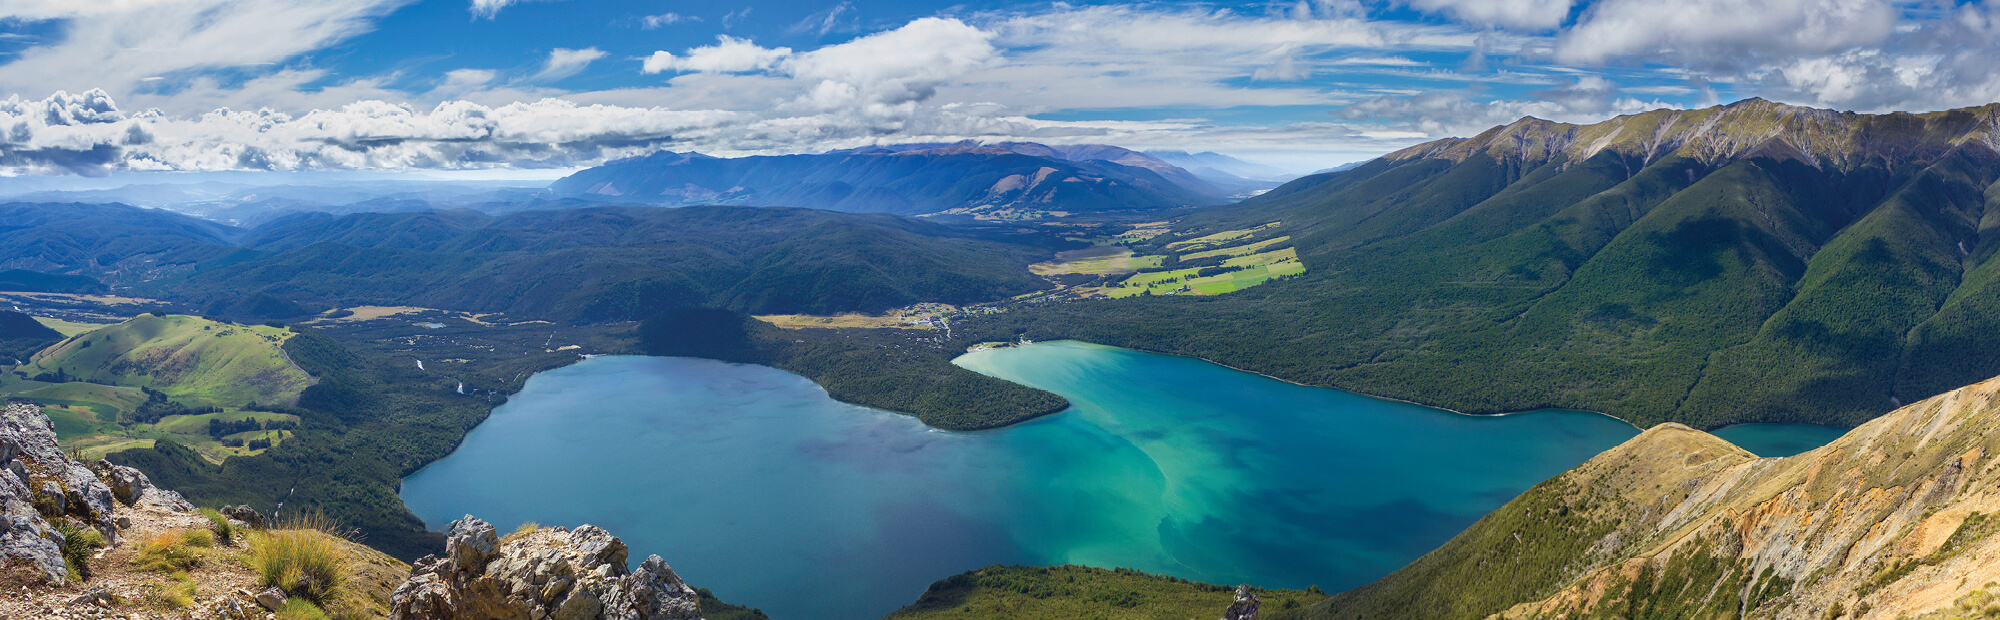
(132, 488)
(545, 574)
(1244, 607)
(42, 486)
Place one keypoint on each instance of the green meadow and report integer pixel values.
(93, 384)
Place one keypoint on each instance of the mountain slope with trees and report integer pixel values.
(1749, 262)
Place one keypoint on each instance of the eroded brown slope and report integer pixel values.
(1889, 520)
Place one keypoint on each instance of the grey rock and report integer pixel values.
(249, 516)
(548, 574)
(53, 494)
(271, 598)
(32, 442)
(132, 488)
(28, 441)
(1244, 607)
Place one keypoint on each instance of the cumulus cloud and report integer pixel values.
(728, 55)
(1523, 14)
(119, 49)
(88, 134)
(1724, 32)
(564, 62)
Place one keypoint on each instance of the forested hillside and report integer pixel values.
(1749, 262)
(573, 264)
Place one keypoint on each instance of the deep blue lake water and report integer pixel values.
(751, 482)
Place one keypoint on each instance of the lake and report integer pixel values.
(751, 482)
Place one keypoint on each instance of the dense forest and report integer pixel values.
(904, 371)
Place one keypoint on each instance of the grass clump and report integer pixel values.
(76, 546)
(169, 552)
(304, 560)
(224, 532)
(177, 593)
(301, 609)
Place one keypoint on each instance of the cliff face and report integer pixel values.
(1892, 519)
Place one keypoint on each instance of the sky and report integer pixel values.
(93, 87)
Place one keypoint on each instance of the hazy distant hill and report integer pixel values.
(1225, 171)
(932, 179)
(1748, 262)
(110, 242)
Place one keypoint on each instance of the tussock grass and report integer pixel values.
(177, 593)
(303, 558)
(169, 552)
(301, 609)
(77, 542)
(224, 532)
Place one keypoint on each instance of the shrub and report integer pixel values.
(77, 543)
(300, 559)
(167, 552)
(224, 532)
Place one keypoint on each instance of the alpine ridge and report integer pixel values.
(1894, 519)
(1753, 262)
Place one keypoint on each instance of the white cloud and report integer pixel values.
(118, 49)
(1523, 14)
(88, 134)
(53, 9)
(728, 55)
(650, 22)
(565, 62)
(897, 67)
(1724, 32)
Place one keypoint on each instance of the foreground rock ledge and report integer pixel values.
(544, 574)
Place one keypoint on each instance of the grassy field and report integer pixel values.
(193, 360)
(1240, 250)
(1094, 260)
(1221, 239)
(69, 328)
(1257, 269)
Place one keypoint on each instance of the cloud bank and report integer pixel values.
(231, 84)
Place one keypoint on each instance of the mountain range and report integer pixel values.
(1748, 262)
(1010, 180)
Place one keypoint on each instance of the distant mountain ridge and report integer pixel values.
(989, 180)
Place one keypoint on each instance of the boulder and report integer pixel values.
(249, 516)
(271, 598)
(549, 573)
(1244, 607)
(132, 488)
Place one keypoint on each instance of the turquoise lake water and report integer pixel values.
(1779, 439)
(751, 482)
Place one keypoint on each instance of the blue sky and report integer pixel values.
(95, 86)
